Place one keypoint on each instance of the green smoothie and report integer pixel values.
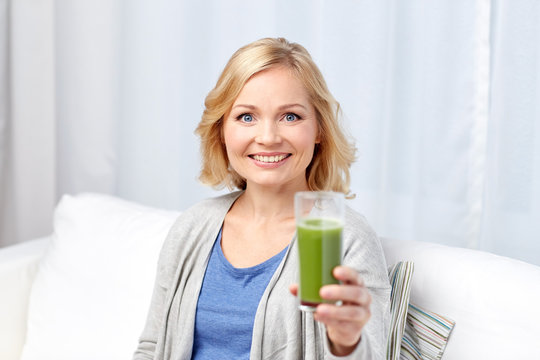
(319, 248)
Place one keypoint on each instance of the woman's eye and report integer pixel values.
(247, 118)
(291, 117)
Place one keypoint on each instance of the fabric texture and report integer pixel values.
(400, 278)
(426, 335)
(227, 305)
(415, 333)
(280, 331)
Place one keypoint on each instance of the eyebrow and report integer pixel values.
(287, 106)
(243, 106)
(282, 107)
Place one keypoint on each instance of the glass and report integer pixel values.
(319, 229)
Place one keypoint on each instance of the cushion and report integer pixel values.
(490, 297)
(415, 333)
(400, 276)
(18, 267)
(426, 335)
(93, 287)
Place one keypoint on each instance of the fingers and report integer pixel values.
(347, 275)
(351, 291)
(293, 288)
(342, 316)
(348, 294)
(344, 324)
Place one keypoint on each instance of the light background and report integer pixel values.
(442, 98)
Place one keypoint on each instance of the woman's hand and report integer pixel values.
(344, 323)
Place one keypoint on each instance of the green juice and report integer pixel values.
(319, 248)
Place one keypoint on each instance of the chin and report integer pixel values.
(277, 183)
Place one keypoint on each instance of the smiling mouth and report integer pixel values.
(270, 159)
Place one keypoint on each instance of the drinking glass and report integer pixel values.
(319, 228)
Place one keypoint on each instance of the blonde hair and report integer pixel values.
(333, 156)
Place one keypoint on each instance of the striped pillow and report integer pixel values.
(426, 335)
(415, 333)
(400, 278)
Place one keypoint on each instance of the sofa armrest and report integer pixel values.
(18, 266)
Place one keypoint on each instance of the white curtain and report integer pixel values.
(27, 123)
(441, 96)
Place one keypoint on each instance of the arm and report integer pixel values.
(359, 328)
(366, 289)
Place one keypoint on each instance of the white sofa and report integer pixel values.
(82, 293)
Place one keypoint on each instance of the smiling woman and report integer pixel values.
(267, 143)
(226, 287)
(302, 78)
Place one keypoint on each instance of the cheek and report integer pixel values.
(233, 142)
(310, 145)
(307, 139)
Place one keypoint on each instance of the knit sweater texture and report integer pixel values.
(280, 330)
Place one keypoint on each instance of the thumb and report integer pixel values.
(293, 288)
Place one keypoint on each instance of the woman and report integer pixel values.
(226, 279)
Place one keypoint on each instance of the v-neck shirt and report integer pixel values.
(227, 305)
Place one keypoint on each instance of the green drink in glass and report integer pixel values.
(319, 225)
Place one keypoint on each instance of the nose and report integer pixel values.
(268, 133)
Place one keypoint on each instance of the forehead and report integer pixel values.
(276, 83)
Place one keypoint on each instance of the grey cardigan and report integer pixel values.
(280, 330)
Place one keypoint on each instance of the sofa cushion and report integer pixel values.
(415, 333)
(493, 299)
(18, 267)
(400, 275)
(93, 287)
(426, 335)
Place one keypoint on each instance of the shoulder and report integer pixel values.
(206, 210)
(356, 225)
(214, 204)
(363, 250)
(195, 222)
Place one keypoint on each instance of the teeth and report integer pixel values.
(269, 159)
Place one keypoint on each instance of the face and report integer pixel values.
(271, 131)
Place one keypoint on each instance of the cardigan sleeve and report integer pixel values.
(363, 252)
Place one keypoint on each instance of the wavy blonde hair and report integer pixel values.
(333, 156)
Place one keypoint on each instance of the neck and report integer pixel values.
(269, 202)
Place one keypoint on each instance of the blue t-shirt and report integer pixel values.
(227, 305)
